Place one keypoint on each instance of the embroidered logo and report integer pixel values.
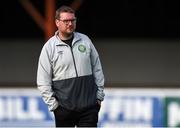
(82, 48)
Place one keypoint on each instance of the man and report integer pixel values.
(70, 76)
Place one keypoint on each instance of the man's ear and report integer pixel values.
(57, 22)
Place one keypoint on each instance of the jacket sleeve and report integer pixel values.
(44, 78)
(97, 72)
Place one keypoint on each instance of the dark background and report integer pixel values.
(137, 40)
(100, 18)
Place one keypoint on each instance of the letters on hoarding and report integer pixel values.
(120, 108)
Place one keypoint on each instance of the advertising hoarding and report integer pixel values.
(120, 108)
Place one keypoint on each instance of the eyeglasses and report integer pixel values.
(68, 21)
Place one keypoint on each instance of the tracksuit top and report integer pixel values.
(70, 77)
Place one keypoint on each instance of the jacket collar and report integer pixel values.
(59, 42)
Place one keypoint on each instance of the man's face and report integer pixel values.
(66, 23)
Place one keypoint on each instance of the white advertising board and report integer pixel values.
(121, 108)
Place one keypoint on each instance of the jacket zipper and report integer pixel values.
(74, 62)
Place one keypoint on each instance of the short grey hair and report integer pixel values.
(63, 8)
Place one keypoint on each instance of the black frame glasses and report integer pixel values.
(68, 21)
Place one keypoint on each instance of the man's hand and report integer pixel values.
(99, 102)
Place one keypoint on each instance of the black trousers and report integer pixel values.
(69, 118)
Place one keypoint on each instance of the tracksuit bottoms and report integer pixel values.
(69, 118)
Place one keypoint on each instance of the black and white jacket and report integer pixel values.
(70, 77)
